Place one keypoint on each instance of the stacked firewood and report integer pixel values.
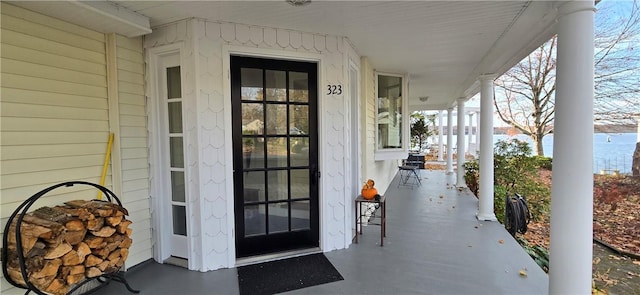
(65, 245)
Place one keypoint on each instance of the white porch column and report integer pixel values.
(450, 140)
(470, 134)
(460, 144)
(440, 130)
(572, 190)
(485, 187)
(477, 151)
(638, 133)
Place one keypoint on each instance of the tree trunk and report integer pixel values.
(635, 167)
(537, 145)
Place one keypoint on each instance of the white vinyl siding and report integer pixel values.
(54, 118)
(383, 171)
(54, 111)
(133, 145)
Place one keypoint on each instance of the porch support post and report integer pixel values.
(440, 130)
(470, 134)
(450, 140)
(460, 143)
(477, 151)
(572, 190)
(485, 192)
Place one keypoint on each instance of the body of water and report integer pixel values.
(613, 151)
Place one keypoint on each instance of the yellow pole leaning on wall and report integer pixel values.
(106, 164)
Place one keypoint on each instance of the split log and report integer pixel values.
(83, 249)
(93, 272)
(101, 252)
(94, 242)
(73, 270)
(95, 224)
(114, 255)
(114, 220)
(123, 226)
(103, 265)
(92, 260)
(74, 279)
(105, 231)
(72, 258)
(58, 251)
(50, 268)
(75, 237)
(57, 286)
(74, 225)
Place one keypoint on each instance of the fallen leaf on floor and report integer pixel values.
(441, 197)
(475, 226)
(637, 262)
(596, 260)
(523, 273)
(501, 241)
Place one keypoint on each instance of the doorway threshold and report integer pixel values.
(177, 261)
(276, 256)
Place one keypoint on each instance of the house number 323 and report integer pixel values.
(334, 89)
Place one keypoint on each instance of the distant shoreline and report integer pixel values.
(596, 128)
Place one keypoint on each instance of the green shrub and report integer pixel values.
(499, 194)
(471, 172)
(515, 172)
(543, 162)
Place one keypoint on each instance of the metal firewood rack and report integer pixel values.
(20, 212)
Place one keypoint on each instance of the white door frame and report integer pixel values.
(354, 138)
(158, 149)
(227, 51)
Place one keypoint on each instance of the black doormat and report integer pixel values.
(286, 275)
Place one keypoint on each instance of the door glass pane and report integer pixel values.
(298, 87)
(389, 112)
(300, 216)
(176, 152)
(298, 119)
(252, 118)
(300, 184)
(175, 117)
(177, 186)
(299, 147)
(174, 89)
(276, 119)
(278, 185)
(251, 84)
(276, 152)
(254, 186)
(278, 217)
(252, 153)
(179, 220)
(254, 220)
(276, 85)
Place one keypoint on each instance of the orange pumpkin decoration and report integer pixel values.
(368, 191)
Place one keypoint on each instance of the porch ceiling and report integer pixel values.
(443, 45)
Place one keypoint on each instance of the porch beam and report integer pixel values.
(450, 140)
(572, 191)
(460, 144)
(485, 195)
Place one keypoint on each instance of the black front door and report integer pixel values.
(275, 146)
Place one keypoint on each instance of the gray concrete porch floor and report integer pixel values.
(434, 245)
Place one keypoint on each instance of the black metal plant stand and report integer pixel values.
(20, 212)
